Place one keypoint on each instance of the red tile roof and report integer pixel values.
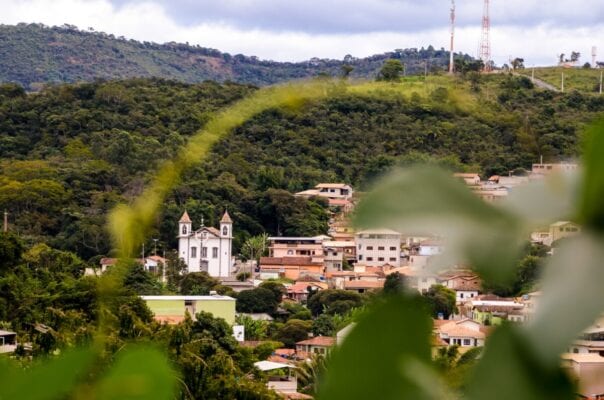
(287, 261)
(363, 284)
(325, 341)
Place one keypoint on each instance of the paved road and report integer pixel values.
(539, 83)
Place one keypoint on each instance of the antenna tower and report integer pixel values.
(485, 40)
(594, 54)
(451, 64)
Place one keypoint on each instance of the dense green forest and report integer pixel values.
(72, 152)
(33, 55)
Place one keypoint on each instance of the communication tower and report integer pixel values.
(485, 40)
(594, 54)
(451, 64)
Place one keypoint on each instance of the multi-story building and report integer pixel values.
(207, 248)
(378, 247)
(297, 247)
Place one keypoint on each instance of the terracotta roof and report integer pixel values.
(226, 218)
(108, 261)
(295, 396)
(285, 352)
(455, 329)
(465, 175)
(331, 185)
(363, 284)
(326, 341)
(301, 287)
(583, 357)
(278, 359)
(169, 319)
(287, 261)
(440, 322)
(185, 218)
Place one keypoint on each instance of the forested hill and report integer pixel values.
(70, 153)
(33, 55)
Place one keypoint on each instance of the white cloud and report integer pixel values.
(148, 20)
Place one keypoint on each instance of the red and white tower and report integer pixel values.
(485, 40)
(451, 64)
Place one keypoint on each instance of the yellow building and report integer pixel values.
(171, 309)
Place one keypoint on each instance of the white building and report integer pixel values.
(378, 247)
(206, 249)
(329, 190)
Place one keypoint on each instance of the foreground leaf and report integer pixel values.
(53, 379)
(510, 369)
(387, 354)
(139, 373)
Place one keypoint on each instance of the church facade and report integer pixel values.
(207, 248)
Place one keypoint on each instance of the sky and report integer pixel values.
(285, 30)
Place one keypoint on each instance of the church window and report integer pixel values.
(225, 231)
(214, 252)
(184, 229)
(204, 252)
(193, 252)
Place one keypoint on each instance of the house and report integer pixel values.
(378, 246)
(494, 312)
(416, 278)
(172, 309)
(299, 290)
(207, 248)
(291, 267)
(430, 247)
(316, 345)
(556, 231)
(8, 341)
(336, 252)
(329, 190)
(491, 194)
(281, 379)
(547, 169)
(471, 179)
(362, 286)
(297, 247)
(152, 264)
(466, 284)
(464, 333)
(587, 370)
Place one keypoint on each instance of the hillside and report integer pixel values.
(33, 55)
(585, 80)
(71, 152)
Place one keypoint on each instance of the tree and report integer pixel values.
(198, 283)
(346, 70)
(333, 301)
(277, 288)
(574, 56)
(140, 281)
(11, 249)
(518, 63)
(254, 329)
(323, 325)
(293, 331)
(255, 247)
(395, 284)
(258, 300)
(391, 71)
(441, 300)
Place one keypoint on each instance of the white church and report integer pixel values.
(206, 249)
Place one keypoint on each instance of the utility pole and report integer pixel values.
(5, 229)
(451, 64)
(533, 75)
(562, 86)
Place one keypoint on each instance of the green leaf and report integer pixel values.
(510, 369)
(424, 200)
(544, 201)
(386, 353)
(54, 378)
(592, 207)
(571, 296)
(139, 373)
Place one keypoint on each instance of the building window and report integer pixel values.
(575, 350)
(360, 257)
(369, 247)
(204, 252)
(214, 252)
(380, 258)
(193, 252)
(184, 229)
(467, 342)
(461, 295)
(381, 248)
(393, 259)
(392, 248)
(369, 258)
(290, 252)
(225, 231)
